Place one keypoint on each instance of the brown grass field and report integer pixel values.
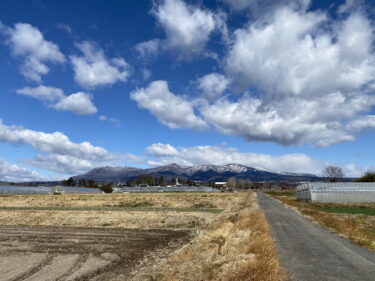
(352, 221)
(229, 238)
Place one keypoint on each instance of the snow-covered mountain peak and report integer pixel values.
(234, 168)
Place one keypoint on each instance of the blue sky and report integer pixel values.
(278, 85)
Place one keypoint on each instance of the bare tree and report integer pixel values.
(232, 183)
(244, 184)
(333, 173)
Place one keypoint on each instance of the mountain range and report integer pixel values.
(207, 173)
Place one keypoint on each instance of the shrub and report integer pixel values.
(106, 188)
(368, 177)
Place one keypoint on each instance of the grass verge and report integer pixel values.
(348, 210)
(354, 222)
(236, 246)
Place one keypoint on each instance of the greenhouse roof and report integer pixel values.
(337, 186)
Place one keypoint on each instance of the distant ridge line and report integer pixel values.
(207, 173)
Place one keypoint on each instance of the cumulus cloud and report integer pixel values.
(302, 82)
(43, 93)
(161, 149)
(60, 154)
(170, 109)
(72, 165)
(213, 85)
(362, 123)
(54, 143)
(290, 121)
(149, 49)
(348, 6)
(79, 103)
(28, 44)
(352, 170)
(187, 28)
(218, 155)
(14, 173)
(62, 164)
(292, 77)
(95, 69)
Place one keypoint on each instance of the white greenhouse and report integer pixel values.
(337, 192)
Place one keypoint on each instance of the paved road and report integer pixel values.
(311, 253)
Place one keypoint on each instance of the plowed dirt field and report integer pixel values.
(68, 253)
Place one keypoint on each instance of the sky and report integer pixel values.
(278, 85)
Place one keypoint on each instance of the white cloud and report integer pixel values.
(43, 93)
(160, 149)
(300, 77)
(94, 69)
(170, 109)
(79, 103)
(291, 121)
(218, 155)
(261, 6)
(65, 27)
(187, 28)
(239, 5)
(72, 165)
(307, 82)
(362, 123)
(146, 73)
(213, 85)
(115, 121)
(149, 48)
(60, 154)
(62, 164)
(348, 6)
(14, 173)
(54, 143)
(28, 43)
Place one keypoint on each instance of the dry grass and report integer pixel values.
(359, 229)
(234, 245)
(165, 219)
(237, 246)
(162, 200)
(144, 220)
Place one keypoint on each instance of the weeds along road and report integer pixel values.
(311, 253)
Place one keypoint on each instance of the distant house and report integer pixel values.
(221, 184)
(337, 192)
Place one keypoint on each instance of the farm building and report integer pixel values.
(222, 184)
(337, 192)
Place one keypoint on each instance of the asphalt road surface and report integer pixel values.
(311, 253)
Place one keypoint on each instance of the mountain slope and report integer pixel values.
(201, 172)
